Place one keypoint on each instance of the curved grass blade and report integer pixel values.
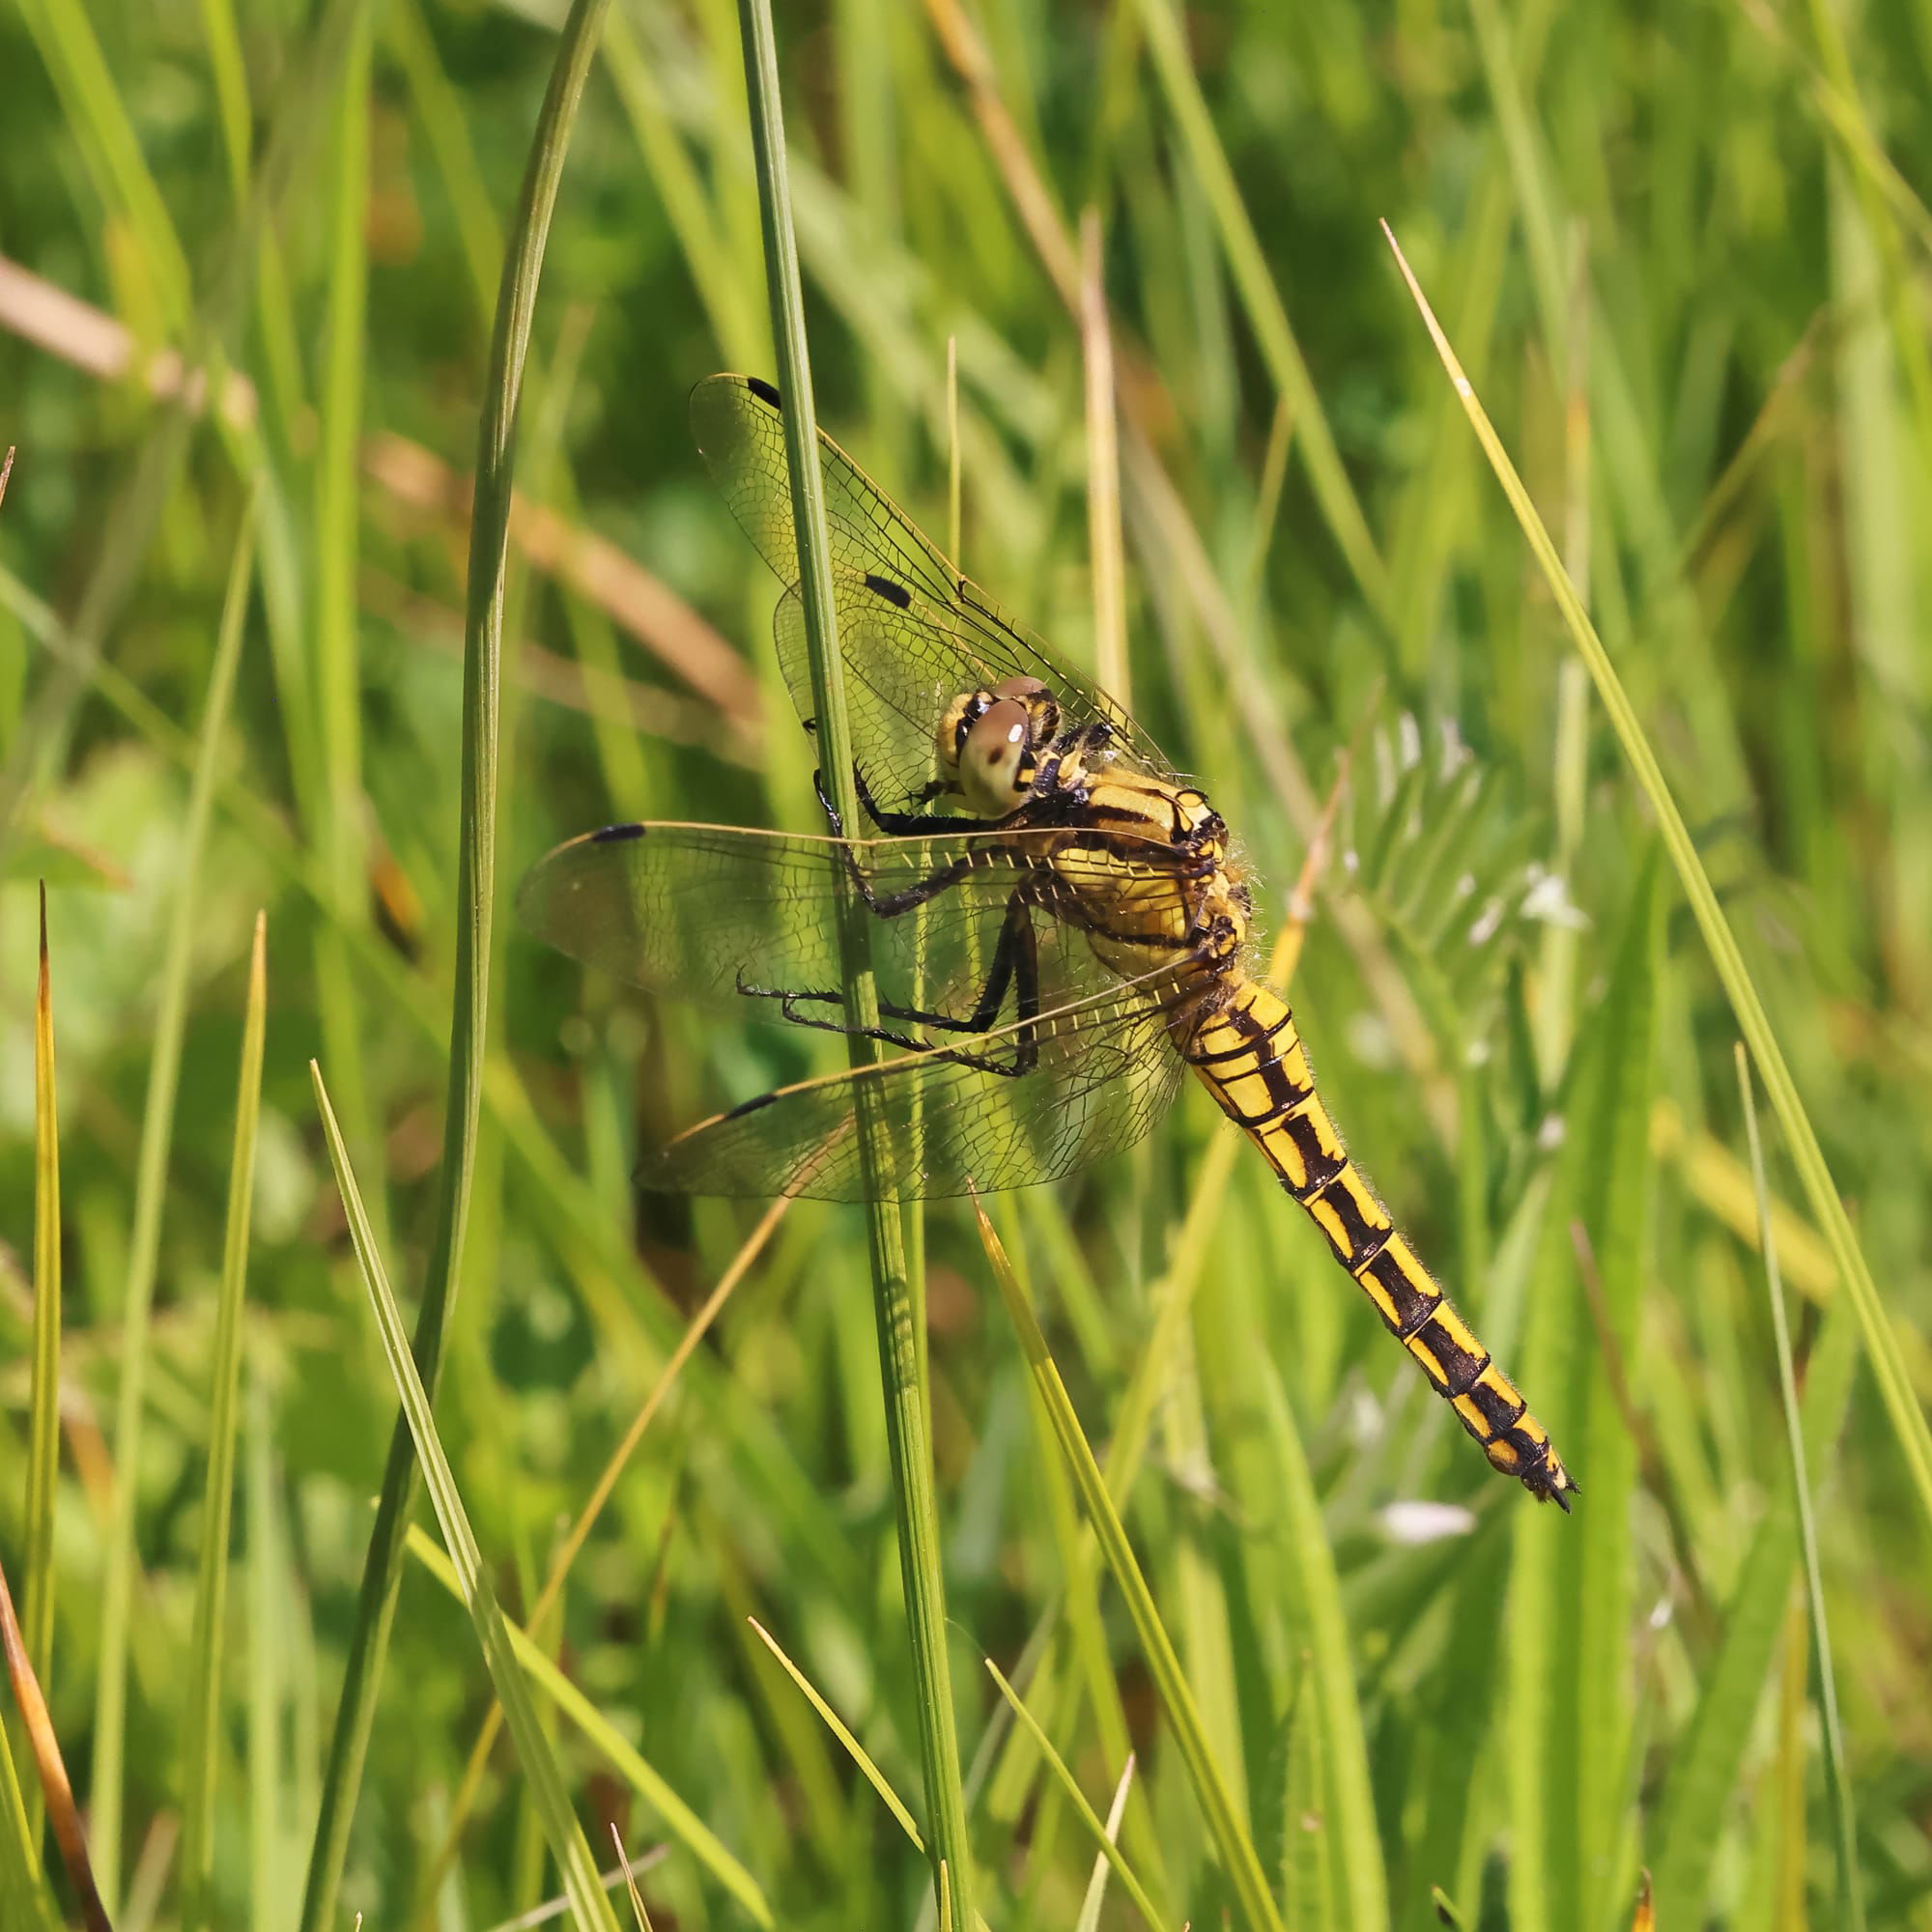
(582, 1884)
(202, 1747)
(1882, 1346)
(483, 627)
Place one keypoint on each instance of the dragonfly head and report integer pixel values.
(989, 744)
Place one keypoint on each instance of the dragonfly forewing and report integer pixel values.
(912, 632)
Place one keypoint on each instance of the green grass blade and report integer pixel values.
(1596, 1679)
(1334, 494)
(583, 1887)
(840, 1730)
(1850, 1894)
(37, 1619)
(1096, 1886)
(476, 909)
(202, 1747)
(648, 1783)
(907, 1402)
(1882, 1347)
(22, 1895)
(1097, 1829)
(335, 650)
(1698, 1791)
(1210, 1787)
(150, 1174)
(1307, 1872)
(111, 151)
(1347, 1807)
(20, 1892)
(272, 1907)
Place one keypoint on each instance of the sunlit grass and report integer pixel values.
(1685, 272)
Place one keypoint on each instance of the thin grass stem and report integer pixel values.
(907, 1406)
(44, 1398)
(1851, 1894)
(495, 467)
(202, 1750)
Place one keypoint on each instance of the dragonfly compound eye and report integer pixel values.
(995, 760)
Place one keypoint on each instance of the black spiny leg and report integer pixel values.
(1015, 964)
(898, 824)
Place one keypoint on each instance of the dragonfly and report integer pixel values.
(1059, 926)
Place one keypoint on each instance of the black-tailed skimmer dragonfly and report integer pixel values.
(1058, 925)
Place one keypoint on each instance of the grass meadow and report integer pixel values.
(1567, 688)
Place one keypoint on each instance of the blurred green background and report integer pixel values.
(1683, 253)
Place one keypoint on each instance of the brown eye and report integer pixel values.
(997, 747)
(999, 736)
(1020, 687)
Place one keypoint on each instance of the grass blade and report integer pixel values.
(1101, 1833)
(1333, 1712)
(495, 465)
(44, 1400)
(1307, 1872)
(1851, 1894)
(842, 1731)
(583, 1886)
(1882, 1346)
(1096, 1886)
(202, 1747)
(1287, 368)
(55, 1788)
(158, 1121)
(1691, 1808)
(901, 1369)
(648, 1783)
(1104, 469)
(1231, 1836)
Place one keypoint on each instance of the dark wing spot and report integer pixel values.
(766, 392)
(610, 834)
(893, 593)
(750, 1107)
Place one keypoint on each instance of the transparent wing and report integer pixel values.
(730, 916)
(912, 632)
(1104, 1074)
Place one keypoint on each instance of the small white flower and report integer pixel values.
(1419, 1522)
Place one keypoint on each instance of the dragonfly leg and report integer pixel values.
(898, 824)
(1016, 966)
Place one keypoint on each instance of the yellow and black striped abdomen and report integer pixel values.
(1247, 1052)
